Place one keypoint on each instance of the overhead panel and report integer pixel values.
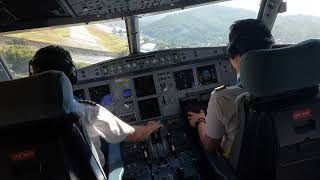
(102, 7)
(120, 8)
(20, 15)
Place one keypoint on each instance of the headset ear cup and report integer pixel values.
(74, 78)
(30, 64)
(74, 75)
(72, 71)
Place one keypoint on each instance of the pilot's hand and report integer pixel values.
(154, 125)
(194, 117)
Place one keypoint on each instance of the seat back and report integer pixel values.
(281, 131)
(40, 136)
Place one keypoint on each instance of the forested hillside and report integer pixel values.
(209, 26)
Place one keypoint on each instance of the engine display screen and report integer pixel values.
(144, 86)
(101, 95)
(207, 74)
(149, 108)
(184, 79)
(79, 94)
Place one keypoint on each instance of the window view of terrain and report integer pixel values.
(195, 27)
(88, 44)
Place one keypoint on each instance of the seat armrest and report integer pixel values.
(223, 170)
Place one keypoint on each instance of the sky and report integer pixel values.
(305, 7)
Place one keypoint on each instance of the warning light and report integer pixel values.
(24, 155)
(302, 114)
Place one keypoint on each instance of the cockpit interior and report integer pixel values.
(42, 138)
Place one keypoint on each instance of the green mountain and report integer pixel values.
(209, 26)
(199, 26)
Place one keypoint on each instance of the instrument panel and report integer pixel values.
(162, 86)
(151, 86)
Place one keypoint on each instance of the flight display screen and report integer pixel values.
(79, 94)
(184, 79)
(144, 86)
(207, 74)
(127, 93)
(101, 95)
(149, 108)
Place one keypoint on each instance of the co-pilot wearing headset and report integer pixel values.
(218, 129)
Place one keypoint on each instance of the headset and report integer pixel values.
(48, 63)
(232, 46)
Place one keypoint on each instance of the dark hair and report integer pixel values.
(54, 58)
(247, 35)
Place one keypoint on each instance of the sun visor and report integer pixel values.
(275, 71)
(44, 96)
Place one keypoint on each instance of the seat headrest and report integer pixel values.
(44, 96)
(276, 71)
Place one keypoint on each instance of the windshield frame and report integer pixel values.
(6, 70)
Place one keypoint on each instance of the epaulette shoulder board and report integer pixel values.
(220, 88)
(87, 102)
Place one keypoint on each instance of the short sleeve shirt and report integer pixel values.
(99, 122)
(221, 120)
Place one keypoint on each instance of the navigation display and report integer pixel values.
(79, 94)
(207, 74)
(149, 108)
(101, 95)
(184, 79)
(144, 86)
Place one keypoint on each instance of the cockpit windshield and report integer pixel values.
(203, 26)
(196, 27)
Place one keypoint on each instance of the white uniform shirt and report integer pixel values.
(99, 122)
(221, 120)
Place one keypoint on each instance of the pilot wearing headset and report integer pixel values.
(217, 129)
(97, 120)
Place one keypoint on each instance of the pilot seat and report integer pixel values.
(279, 137)
(40, 136)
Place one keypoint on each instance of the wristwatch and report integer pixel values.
(201, 120)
